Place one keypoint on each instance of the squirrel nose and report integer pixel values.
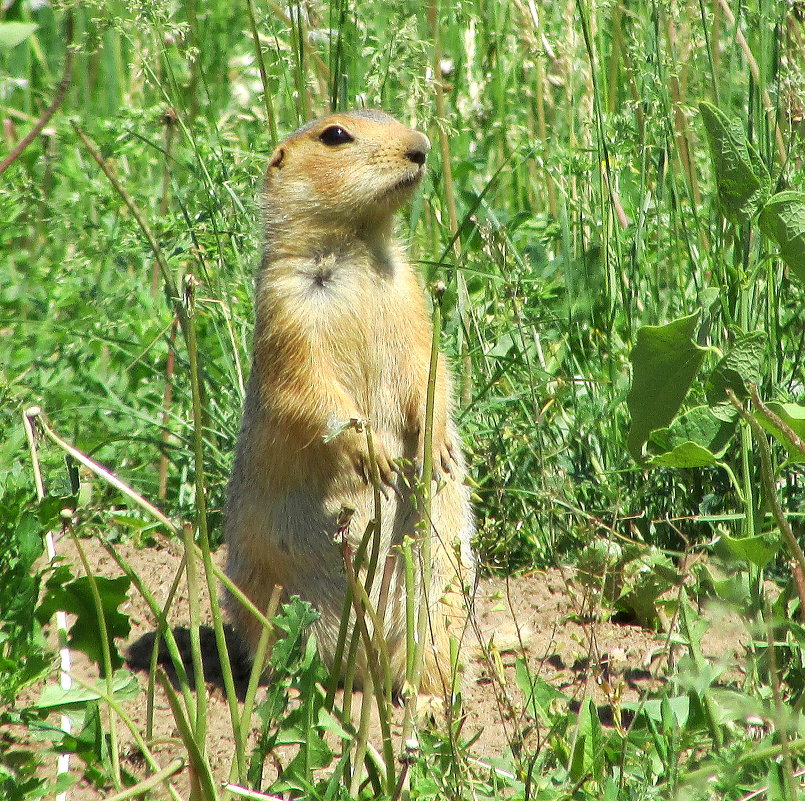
(419, 149)
(417, 155)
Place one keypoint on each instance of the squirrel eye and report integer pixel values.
(335, 135)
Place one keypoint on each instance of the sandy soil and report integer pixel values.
(539, 616)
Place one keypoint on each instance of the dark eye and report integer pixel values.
(335, 135)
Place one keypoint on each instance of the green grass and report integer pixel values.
(580, 206)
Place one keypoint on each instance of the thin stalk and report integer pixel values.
(203, 537)
(777, 421)
(162, 623)
(264, 645)
(258, 50)
(465, 381)
(102, 472)
(154, 661)
(680, 123)
(782, 723)
(698, 659)
(169, 120)
(58, 99)
(106, 656)
(193, 595)
(65, 661)
(361, 598)
(540, 84)
(407, 550)
(322, 71)
(344, 519)
(167, 398)
(298, 38)
(201, 768)
(191, 12)
(379, 632)
(746, 435)
(767, 476)
(425, 545)
(135, 733)
(361, 604)
(378, 640)
(167, 277)
(146, 785)
(768, 106)
(267, 637)
(238, 595)
(362, 737)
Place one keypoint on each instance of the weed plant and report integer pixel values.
(577, 203)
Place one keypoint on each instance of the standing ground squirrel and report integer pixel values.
(342, 333)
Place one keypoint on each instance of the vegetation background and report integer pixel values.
(571, 200)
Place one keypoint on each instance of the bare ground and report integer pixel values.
(540, 616)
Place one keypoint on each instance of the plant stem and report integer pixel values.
(767, 475)
(203, 537)
(58, 99)
(65, 680)
(258, 50)
(465, 390)
(106, 656)
(200, 723)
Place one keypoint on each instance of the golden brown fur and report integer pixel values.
(343, 333)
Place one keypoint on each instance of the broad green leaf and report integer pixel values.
(697, 425)
(587, 755)
(14, 33)
(76, 598)
(742, 179)
(124, 687)
(758, 550)
(539, 696)
(687, 454)
(645, 580)
(739, 366)
(793, 415)
(775, 780)
(294, 619)
(665, 361)
(679, 705)
(783, 220)
(330, 723)
(598, 558)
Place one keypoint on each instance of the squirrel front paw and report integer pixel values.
(445, 453)
(352, 438)
(362, 461)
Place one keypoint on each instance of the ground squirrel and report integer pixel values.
(343, 333)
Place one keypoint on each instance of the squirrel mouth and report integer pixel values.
(406, 182)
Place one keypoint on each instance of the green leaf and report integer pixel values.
(742, 179)
(783, 220)
(793, 415)
(645, 579)
(653, 709)
(739, 367)
(758, 550)
(124, 687)
(14, 33)
(75, 598)
(687, 454)
(697, 425)
(541, 698)
(587, 755)
(665, 361)
(293, 620)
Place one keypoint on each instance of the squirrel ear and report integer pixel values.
(277, 158)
